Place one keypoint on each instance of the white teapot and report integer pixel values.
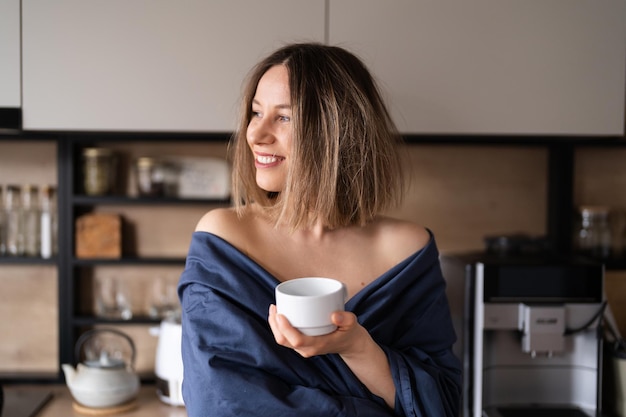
(106, 378)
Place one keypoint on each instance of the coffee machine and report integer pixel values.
(528, 334)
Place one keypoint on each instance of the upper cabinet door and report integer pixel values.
(150, 65)
(493, 67)
(10, 53)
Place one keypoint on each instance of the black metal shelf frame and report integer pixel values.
(87, 321)
(88, 201)
(26, 260)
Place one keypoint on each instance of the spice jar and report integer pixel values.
(594, 236)
(98, 171)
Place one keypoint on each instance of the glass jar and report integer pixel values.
(150, 177)
(594, 236)
(99, 166)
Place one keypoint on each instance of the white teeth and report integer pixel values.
(266, 159)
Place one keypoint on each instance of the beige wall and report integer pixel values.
(462, 193)
(28, 294)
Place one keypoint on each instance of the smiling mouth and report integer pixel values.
(268, 159)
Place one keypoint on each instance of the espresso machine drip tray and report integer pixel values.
(535, 411)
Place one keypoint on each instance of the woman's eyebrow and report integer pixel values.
(278, 106)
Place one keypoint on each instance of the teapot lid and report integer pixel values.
(106, 360)
(105, 348)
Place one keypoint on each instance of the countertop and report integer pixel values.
(60, 404)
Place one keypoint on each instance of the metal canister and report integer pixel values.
(98, 171)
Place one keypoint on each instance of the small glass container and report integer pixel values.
(150, 175)
(99, 166)
(594, 236)
(113, 299)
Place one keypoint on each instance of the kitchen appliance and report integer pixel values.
(169, 361)
(106, 377)
(529, 334)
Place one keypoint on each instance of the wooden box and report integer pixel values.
(99, 235)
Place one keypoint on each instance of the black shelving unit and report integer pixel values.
(560, 206)
(26, 260)
(75, 202)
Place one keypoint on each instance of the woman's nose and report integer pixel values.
(259, 131)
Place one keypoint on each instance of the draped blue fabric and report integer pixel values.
(233, 366)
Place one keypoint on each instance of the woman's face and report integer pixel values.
(270, 130)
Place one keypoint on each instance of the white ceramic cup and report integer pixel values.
(309, 302)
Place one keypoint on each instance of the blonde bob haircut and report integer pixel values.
(344, 166)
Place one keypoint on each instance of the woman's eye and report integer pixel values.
(284, 118)
(255, 114)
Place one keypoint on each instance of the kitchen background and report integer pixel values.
(481, 90)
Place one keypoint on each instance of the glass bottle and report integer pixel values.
(594, 236)
(14, 221)
(3, 226)
(48, 222)
(30, 210)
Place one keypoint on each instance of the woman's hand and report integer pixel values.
(350, 340)
(346, 339)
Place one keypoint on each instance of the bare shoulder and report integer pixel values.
(400, 237)
(217, 221)
(230, 226)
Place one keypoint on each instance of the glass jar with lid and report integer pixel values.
(594, 236)
(150, 177)
(99, 165)
(156, 177)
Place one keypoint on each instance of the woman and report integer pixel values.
(315, 163)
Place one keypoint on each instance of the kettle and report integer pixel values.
(168, 365)
(106, 378)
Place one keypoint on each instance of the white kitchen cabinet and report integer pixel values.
(493, 67)
(150, 65)
(10, 53)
